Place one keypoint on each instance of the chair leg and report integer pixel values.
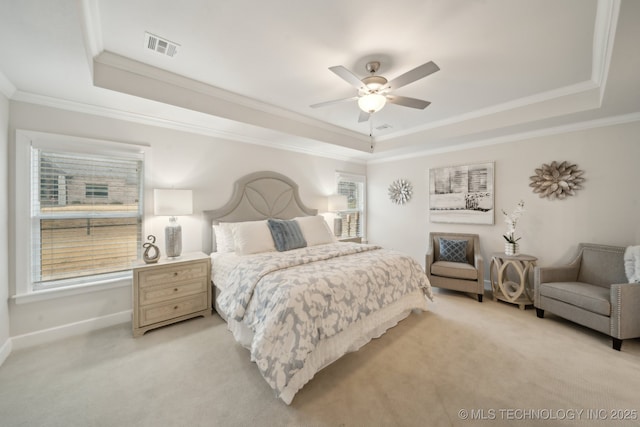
(617, 343)
(480, 297)
(540, 313)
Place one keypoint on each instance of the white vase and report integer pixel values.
(511, 249)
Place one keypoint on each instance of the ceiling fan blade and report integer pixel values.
(348, 76)
(411, 76)
(364, 116)
(335, 101)
(408, 102)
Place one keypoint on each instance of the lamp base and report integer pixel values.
(173, 239)
(337, 226)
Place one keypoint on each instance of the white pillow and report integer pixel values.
(315, 230)
(224, 237)
(252, 237)
(632, 263)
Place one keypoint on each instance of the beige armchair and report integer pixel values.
(459, 270)
(592, 291)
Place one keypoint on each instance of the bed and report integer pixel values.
(291, 293)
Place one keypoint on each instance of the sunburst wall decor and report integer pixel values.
(557, 180)
(400, 191)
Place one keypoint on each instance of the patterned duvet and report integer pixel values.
(294, 300)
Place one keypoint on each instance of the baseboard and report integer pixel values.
(72, 329)
(5, 350)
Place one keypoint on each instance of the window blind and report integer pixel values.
(353, 218)
(86, 215)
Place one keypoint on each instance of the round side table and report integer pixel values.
(505, 267)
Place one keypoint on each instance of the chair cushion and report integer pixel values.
(453, 250)
(602, 266)
(456, 270)
(595, 299)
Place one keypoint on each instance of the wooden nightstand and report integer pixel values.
(172, 290)
(350, 239)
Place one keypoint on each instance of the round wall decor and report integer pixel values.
(557, 180)
(400, 191)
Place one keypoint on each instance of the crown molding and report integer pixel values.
(91, 30)
(358, 158)
(6, 87)
(533, 100)
(604, 33)
(555, 130)
(111, 113)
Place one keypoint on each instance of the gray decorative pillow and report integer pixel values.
(286, 234)
(453, 250)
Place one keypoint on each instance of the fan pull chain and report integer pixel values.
(371, 132)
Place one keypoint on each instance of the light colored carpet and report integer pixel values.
(489, 361)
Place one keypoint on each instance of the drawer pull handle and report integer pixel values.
(175, 289)
(175, 273)
(175, 307)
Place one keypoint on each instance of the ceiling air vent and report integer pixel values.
(160, 45)
(384, 127)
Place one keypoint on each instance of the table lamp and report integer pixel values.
(337, 203)
(173, 203)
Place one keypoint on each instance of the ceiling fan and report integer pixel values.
(374, 91)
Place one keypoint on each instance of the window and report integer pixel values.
(96, 190)
(86, 210)
(354, 188)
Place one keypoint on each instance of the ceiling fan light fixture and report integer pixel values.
(374, 83)
(373, 90)
(372, 102)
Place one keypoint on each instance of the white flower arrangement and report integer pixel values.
(511, 221)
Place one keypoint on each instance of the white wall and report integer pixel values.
(5, 343)
(606, 211)
(205, 164)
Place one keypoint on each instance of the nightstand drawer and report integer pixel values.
(173, 274)
(155, 294)
(176, 308)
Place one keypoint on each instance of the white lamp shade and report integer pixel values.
(337, 203)
(172, 202)
(372, 102)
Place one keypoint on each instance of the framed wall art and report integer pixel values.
(462, 194)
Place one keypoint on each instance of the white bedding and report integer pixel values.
(300, 310)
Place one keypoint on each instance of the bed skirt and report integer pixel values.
(352, 339)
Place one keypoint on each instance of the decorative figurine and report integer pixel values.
(151, 252)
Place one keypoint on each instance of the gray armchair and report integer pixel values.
(591, 291)
(465, 274)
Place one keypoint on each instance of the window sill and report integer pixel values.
(67, 291)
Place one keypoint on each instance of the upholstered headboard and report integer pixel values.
(261, 195)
